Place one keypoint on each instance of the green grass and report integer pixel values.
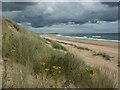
(23, 47)
(75, 46)
(77, 72)
(49, 40)
(55, 44)
(58, 46)
(62, 42)
(31, 52)
(82, 48)
(102, 54)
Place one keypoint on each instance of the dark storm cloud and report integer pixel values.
(15, 6)
(119, 11)
(111, 4)
(47, 14)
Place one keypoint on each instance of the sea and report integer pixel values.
(114, 37)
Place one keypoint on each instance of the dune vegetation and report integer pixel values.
(94, 53)
(30, 63)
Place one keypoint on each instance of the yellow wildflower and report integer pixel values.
(47, 69)
(56, 68)
(13, 50)
(6, 59)
(42, 63)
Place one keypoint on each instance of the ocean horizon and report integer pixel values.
(114, 37)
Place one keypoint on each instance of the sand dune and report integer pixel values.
(111, 48)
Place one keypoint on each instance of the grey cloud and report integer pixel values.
(60, 1)
(15, 6)
(111, 4)
(50, 13)
(102, 27)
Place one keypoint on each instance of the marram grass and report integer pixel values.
(33, 64)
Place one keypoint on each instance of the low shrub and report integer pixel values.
(102, 54)
(58, 46)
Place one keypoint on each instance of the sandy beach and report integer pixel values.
(110, 48)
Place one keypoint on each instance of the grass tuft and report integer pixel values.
(55, 44)
(102, 54)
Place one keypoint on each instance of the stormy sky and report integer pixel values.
(64, 17)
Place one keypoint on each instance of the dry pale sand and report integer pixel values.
(110, 48)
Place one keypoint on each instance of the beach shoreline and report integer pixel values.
(86, 38)
(85, 41)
